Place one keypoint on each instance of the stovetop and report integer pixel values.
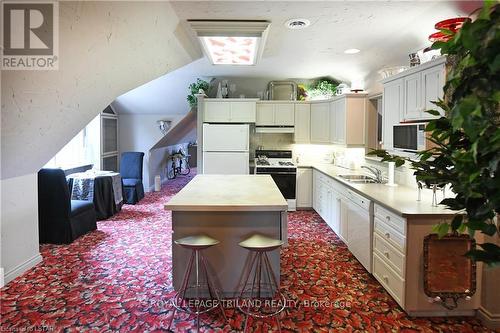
(274, 159)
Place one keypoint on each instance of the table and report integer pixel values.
(229, 208)
(104, 188)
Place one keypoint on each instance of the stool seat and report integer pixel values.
(260, 243)
(197, 242)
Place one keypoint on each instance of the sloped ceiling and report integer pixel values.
(106, 48)
(385, 32)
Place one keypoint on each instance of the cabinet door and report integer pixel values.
(413, 98)
(392, 100)
(433, 80)
(265, 115)
(334, 212)
(320, 123)
(243, 112)
(302, 123)
(340, 121)
(284, 114)
(343, 210)
(304, 188)
(315, 190)
(217, 112)
(333, 122)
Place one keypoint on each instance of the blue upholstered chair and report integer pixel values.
(131, 172)
(60, 219)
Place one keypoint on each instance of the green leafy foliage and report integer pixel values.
(194, 88)
(467, 139)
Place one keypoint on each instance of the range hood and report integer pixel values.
(275, 129)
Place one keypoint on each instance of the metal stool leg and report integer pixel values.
(211, 286)
(184, 284)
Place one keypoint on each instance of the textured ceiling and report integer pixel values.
(384, 31)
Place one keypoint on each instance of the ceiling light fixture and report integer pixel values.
(297, 23)
(351, 51)
(231, 42)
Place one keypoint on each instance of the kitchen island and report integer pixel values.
(229, 208)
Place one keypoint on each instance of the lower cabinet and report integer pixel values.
(304, 187)
(387, 242)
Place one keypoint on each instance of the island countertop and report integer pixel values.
(229, 193)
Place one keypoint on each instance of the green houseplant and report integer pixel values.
(194, 88)
(467, 139)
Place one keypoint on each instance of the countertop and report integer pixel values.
(400, 199)
(229, 193)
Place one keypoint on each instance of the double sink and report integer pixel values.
(359, 179)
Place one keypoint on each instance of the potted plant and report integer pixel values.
(467, 138)
(194, 89)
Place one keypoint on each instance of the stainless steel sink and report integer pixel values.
(362, 179)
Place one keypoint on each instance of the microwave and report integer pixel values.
(409, 137)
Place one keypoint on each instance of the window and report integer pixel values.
(83, 149)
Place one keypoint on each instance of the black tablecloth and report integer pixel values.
(102, 196)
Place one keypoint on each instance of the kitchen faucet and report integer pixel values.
(376, 172)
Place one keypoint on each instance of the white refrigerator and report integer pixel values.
(225, 149)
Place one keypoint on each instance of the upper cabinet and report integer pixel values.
(421, 86)
(347, 120)
(229, 111)
(320, 122)
(275, 114)
(392, 101)
(302, 123)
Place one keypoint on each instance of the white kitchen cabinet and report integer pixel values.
(433, 80)
(347, 120)
(320, 122)
(412, 97)
(393, 104)
(302, 123)
(421, 85)
(275, 114)
(284, 114)
(304, 187)
(229, 111)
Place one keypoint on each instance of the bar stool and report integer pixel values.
(251, 297)
(196, 243)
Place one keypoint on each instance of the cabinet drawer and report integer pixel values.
(389, 254)
(389, 279)
(390, 235)
(395, 221)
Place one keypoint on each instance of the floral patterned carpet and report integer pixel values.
(118, 278)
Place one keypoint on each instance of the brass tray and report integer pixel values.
(448, 273)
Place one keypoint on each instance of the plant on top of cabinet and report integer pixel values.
(194, 89)
(467, 138)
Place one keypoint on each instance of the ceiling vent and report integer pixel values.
(297, 23)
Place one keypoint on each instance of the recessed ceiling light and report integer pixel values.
(297, 23)
(351, 51)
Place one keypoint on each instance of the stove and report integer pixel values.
(279, 164)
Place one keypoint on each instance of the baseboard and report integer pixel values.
(489, 319)
(20, 269)
(444, 313)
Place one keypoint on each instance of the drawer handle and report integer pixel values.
(386, 278)
(386, 253)
(388, 235)
(388, 218)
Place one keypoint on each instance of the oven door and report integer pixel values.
(285, 179)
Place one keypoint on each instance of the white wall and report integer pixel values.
(19, 227)
(140, 132)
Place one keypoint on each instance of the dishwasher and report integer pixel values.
(360, 228)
